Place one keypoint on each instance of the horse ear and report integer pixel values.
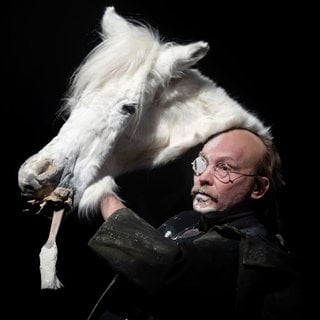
(181, 57)
(113, 23)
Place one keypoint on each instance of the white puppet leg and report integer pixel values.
(49, 254)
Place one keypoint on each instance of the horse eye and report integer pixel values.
(129, 108)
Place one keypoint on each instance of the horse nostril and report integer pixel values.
(37, 177)
(45, 168)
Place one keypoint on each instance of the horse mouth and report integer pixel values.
(59, 198)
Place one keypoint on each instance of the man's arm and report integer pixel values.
(132, 247)
(109, 205)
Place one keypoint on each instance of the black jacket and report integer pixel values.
(198, 267)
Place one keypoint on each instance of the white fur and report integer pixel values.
(177, 108)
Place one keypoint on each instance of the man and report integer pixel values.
(223, 260)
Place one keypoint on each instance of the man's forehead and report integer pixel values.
(238, 145)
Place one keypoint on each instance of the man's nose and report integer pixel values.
(207, 176)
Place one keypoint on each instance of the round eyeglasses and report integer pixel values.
(221, 170)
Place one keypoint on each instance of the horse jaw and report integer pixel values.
(92, 195)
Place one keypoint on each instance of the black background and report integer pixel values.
(253, 56)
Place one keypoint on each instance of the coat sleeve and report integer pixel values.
(134, 249)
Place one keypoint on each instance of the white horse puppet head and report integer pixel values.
(135, 102)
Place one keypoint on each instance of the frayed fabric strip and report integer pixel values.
(49, 255)
(48, 260)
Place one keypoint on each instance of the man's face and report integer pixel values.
(236, 150)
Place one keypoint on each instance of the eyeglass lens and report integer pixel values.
(199, 165)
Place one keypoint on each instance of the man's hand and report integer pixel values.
(109, 204)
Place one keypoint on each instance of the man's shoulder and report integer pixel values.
(261, 251)
(271, 271)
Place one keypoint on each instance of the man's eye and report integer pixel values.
(223, 166)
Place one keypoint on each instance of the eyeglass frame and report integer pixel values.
(215, 167)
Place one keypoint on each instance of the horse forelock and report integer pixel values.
(122, 54)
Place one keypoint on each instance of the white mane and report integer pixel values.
(121, 52)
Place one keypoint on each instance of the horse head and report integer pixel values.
(135, 102)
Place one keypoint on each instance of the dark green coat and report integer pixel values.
(197, 267)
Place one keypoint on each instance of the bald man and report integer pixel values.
(223, 259)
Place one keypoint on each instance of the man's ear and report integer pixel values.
(260, 187)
